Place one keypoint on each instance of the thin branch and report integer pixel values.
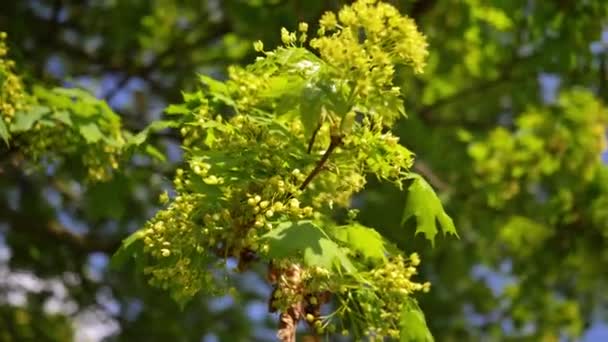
(424, 169)
(336, 140)
(312, 139)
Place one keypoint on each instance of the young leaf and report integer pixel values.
(413, 324)
(289, 239)
(423, 204)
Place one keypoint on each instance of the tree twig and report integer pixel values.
(312, 139)
(336, 140)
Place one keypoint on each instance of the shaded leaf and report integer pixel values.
(311, 107)
(290, 239)
(130, 247)
(108, 199)
(366, 241)
(4, 134)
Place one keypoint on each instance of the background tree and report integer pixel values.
(507, 123)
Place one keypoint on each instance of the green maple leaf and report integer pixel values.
(90, 132)
(413, 324)
(25, 120)
(423, 204)
(306, 239)
(364, 240)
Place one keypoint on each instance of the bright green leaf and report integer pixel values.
(177, 109)
(63, 116)
(413, 324)
(90, 132)
(423, 204)
(26, 120)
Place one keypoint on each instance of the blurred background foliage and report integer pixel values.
(507, 121)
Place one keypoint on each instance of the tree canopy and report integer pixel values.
(185, 169)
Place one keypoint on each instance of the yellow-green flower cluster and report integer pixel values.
(290, 138)
(174, 235)
(54, 139)
(374, 30)
(12, 94)
(365, 42)
(389, 287)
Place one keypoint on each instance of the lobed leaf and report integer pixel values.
(423, 204)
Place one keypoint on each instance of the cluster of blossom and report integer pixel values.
(51, 140)
(12, 94)
(54, 143)
(250, 166)
(389, 286)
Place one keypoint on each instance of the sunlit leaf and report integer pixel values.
(413, 324)
(90, 132)
(424, 205)
(26, 119)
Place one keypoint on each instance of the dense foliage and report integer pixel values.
(299, 160)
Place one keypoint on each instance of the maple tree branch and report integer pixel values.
(425, 170)
(312, 139)
(336, 140)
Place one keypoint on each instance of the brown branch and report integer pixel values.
(312, 139)
(290, 284)
(336, 140)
